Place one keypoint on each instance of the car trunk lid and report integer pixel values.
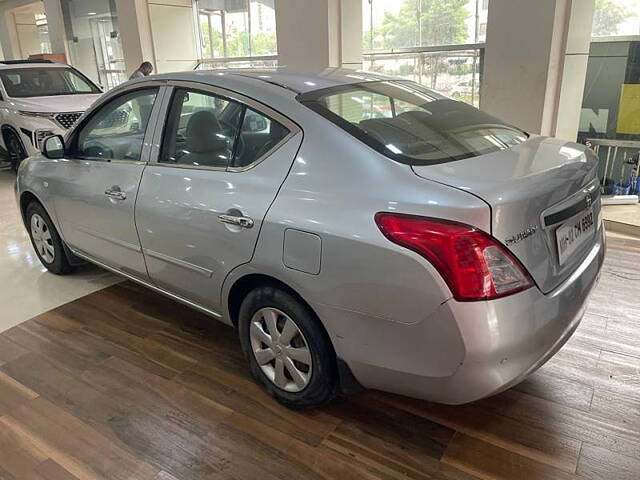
(534, 189)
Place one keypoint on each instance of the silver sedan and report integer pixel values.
(358, 230)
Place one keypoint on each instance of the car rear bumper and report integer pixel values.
(495, 345)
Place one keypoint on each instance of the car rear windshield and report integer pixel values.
(412, 124)
(44, 82)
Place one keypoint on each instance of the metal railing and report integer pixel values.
(455, 70)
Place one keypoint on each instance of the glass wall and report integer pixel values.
(237, 33)
(438, 43)
(94, 40)
(610, 115)
(43, 32)
(616, 18)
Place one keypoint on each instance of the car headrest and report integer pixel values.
(204, 133)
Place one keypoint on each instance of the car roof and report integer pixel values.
(9, 65)
(297, 81)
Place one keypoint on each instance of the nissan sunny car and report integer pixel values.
(358, 230)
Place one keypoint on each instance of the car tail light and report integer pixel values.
(474, 264)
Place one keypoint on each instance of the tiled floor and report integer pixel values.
(26, 288)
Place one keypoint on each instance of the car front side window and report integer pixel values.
(116, 131)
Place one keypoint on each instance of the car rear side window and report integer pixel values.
(258, 136)
(205, 130)
(201, 130)
(412, 124)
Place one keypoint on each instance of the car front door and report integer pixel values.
(97, 182)
(202, 199)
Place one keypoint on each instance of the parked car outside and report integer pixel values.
(39, 98)
(464, 89)
(358, 230)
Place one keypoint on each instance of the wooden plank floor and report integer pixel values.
(124, 384)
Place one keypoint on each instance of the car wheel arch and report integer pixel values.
(243, 285)
(26, 198)
(246, 283)
(4, 129)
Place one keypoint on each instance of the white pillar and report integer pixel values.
(319, 34)
(535, 63)
(135, 33)
(55, 25)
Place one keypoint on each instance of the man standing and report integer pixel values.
(143, 70)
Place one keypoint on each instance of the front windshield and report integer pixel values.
(412, 124)
(44, 82)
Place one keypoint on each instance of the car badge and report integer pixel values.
(518, 237)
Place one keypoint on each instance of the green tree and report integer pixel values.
(263, 44)
(422, 23)
(607, 16)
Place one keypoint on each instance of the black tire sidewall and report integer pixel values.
(323, 384)
(10, 138)
(60, 264)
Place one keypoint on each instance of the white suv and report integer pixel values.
(38, 99)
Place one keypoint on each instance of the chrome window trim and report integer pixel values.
(188, 167)
(224, 93)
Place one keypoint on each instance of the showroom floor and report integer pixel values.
(25, 288)
(124, 384)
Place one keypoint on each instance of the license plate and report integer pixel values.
(573, 233)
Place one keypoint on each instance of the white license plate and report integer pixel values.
(573, 233)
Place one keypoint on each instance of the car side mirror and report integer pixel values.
(53, 147)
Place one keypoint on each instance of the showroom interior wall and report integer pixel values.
(535, 63)
(319, 34)
(160, 31)
(18, 32)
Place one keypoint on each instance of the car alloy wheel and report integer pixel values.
(280, 349)
(42, 238)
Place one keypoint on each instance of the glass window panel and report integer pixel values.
(429, 128)
(263, 27)
(237, 32)
(201, 130)
(456, 73)
(389, 24)
(236, 28)
(94, 40)
(616, 18)
(117, 130)
(44, 81)
(258, 136)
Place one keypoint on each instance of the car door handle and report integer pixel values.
(244, 222)
(115, 194)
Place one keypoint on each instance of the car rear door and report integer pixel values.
(208, 187)
(97, 182)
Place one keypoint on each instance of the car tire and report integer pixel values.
(46, 241)
(296, 378)
(15, 149)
